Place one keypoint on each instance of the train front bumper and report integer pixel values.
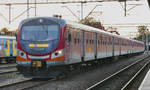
(45, 69)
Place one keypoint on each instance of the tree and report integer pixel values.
(142, 30)
(92, 22)
(4, 29)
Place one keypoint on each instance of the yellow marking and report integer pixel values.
(38, 45)
(14, 49)
(42, 45)
(37, 64)
(31, 45)
(89, 49)
(7, 53)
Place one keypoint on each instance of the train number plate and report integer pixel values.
(37, 64)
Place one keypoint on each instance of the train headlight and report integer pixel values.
(58, 53)
(21, 53)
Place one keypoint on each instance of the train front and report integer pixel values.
(40, 47)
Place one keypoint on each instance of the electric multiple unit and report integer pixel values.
(47, 45)
(8, 48)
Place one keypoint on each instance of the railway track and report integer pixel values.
(7, 66)
(8, 72)
(38, 84)
(122, 79)
(25, 84)
(32, 84)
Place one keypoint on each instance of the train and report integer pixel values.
(48, 46)
(8, 49)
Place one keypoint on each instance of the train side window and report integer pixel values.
(1, 45)
(69, 37)
(6, 44)
(87, 38)
(75, 37)
(90, 41)
(86, 41)
(2, 42)
(78, 37)
(15, 44)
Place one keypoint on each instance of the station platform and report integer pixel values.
(145, 85)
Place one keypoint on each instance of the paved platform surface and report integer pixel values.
(145, 85)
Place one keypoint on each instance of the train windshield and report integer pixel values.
(40, 32)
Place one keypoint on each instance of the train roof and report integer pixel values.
(89, 28)
(63, 22)
(8, 37)
(59, 21)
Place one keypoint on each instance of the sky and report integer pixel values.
(106, 12)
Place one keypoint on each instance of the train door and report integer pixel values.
(11, 47)
(119, 46)
(82, 46)
(68, 45)
(14, 48)
(95, 45)
(7, 48)
(113, 46)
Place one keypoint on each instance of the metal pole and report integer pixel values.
(27, 8)
(81, 10)
(125, 8)
(9, 5)
(35, 7)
